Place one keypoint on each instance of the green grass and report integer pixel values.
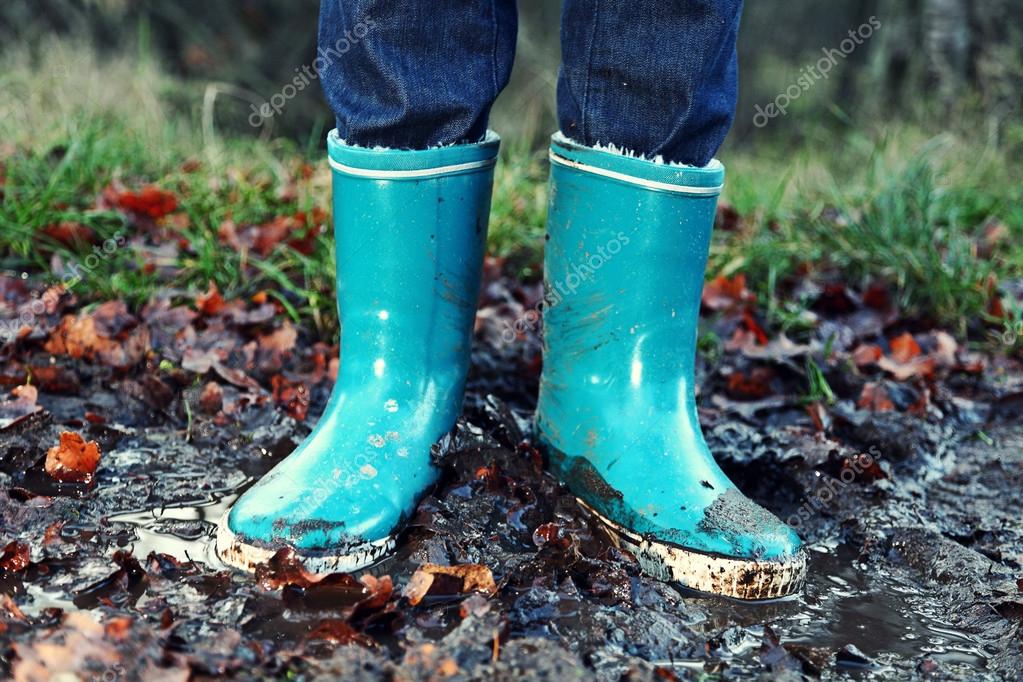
(891, 204)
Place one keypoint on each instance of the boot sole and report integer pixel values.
(246, 557)
(744, 579)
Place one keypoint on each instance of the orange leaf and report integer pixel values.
(211, 302)
(875, 397)
(474, 577)
(904, 348)
(74, 460)
(722, 293)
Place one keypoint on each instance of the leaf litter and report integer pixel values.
(905, 486)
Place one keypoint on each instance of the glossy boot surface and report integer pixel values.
(410, 229)
(624, 268)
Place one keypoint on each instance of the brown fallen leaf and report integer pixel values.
(752, 386)
(211, 400)
(282, 569)
(723, 293)
(52, 533)
(293, 396)
(473, 577)
(903, 371)
(55, 379)
(727, 219)
(281, 340)
(337, 631)
(74, 460)
(108, 334)
(21, 405)
(819, 415)
(15, 557)
(875, 397)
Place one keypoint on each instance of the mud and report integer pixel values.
(915, 559)
(733, 516)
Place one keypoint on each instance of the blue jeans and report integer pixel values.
(656, 77)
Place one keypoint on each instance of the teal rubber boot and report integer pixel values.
(410, 229)
(624, 266)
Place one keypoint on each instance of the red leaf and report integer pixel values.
(69, 234)
(15, 557)
(292, 395)
(753, 386)
(149, 201)
(211, 302)
(904, 348)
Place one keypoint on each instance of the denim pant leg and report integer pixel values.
(657, 77)
(413, 74)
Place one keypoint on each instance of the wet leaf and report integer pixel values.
(284, 568)
(122, 588)
(293, 396)
(337, 631)
(74, 460)
(473, 577)
(15, 557)
(281, 340)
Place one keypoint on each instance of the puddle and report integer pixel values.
(884, 615)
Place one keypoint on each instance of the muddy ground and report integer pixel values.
(906, 487)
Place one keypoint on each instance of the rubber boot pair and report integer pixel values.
(624, 265)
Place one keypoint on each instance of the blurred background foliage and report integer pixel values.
(938, 61)
(903, 166)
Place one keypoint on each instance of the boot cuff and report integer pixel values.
(399, 164)
(628, 168)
